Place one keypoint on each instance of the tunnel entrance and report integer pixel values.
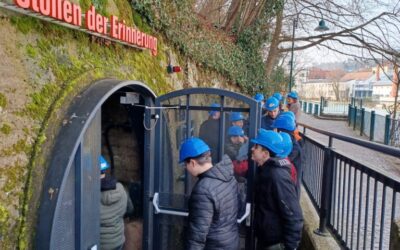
(122, 145)
(106, 119)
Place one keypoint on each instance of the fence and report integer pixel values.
(357, 203)
(377, 128)
(324, 107)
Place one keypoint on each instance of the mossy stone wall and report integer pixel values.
(43, 67)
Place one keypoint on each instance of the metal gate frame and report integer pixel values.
(66, 157)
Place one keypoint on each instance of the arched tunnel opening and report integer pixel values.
(107, 119)
(122, 145)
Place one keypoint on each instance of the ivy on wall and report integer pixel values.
(237, 57)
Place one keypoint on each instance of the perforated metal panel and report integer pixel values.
(77, 224)
(90, 185)
(63, 237)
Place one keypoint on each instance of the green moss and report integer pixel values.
(14, 178)
(25, 24)
(26, 131)
(138, 20)
(37, 108)
(4, 224)
(30, 51)
(3, 101)
(5, 129)
(125, 11)
(20, 146)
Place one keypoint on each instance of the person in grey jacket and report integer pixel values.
(214, 202)
(113, 206)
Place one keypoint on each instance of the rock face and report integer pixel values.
(43, 67)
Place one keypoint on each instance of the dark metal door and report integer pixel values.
(177, 116)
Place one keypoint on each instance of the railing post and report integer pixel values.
(349, 114)
(354, 117)
(362, 121)
(387, 130)
(326, 192)
(372, 126)
(316, 109)
(321, 104)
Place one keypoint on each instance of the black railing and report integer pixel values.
(378, 128)
(355, 202)
(325, 107)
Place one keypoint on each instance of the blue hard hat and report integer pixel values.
(289, 113)
(259, 97)
(271, 104)
(236, 116)
(235, 131)
(269, 139)
(103, 163)
(214, 105)
(287, 145)
(278, 96)
(192, 148)
(293, 94)
(285, 121)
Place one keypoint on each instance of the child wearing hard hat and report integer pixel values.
(272, 107)
(213, 203)
(113, 206)
(278, 215)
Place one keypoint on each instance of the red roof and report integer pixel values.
(359, 76)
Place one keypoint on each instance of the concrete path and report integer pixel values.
(380, 162)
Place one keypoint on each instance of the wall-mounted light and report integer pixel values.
(173, 69)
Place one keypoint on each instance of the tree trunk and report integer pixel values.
(233, 14)
(211, 11)
(273, 49)
(255, 12)
(247, 7)
(393, 125)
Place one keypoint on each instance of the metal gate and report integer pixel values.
(177, 116)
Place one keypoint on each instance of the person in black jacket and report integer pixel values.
(272, 107)
(209, 131)
(213, 203)
(285, 122)
(278, 215)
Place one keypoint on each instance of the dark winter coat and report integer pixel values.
(213, 210)
(232, 150)
(209, 133)
(267, 122)
(278, 215)
(295, 157)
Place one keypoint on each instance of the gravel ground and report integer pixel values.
(380, 162)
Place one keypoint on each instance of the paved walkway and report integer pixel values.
(380, 162)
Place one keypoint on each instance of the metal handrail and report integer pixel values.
(349, 196)
(158, 210)
(164, 211)
(371, 145)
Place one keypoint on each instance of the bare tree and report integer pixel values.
(334, 76)
(355, 30)
(229, 14)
